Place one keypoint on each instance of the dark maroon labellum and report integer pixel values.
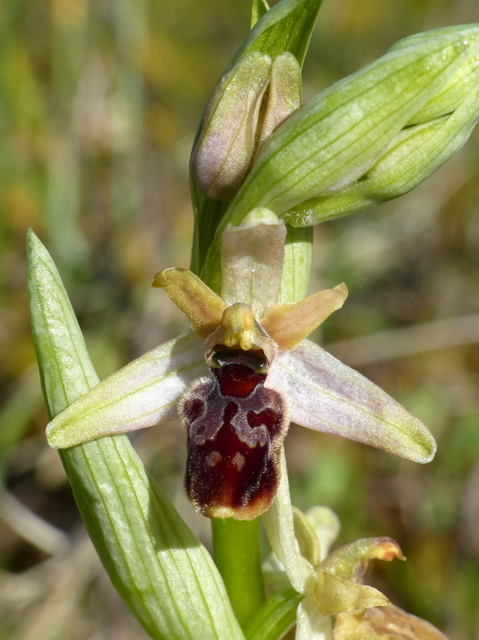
(235, 430)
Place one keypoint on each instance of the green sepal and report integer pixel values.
(412, 156)
(276, 617)
(163, 573)
(435, 133)
(451, 93)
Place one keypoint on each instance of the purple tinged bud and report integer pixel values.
(224, 149)
(248, 105)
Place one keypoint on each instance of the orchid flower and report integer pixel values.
(261, 362)
(331, 581)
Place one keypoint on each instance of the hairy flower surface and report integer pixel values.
(265, 374)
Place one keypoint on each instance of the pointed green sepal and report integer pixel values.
(285, 27)
(411, 157)
(258, 9)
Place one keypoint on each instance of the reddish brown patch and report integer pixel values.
(235, 430)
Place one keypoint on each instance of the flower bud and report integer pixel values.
(223, 151)
(411, 157)
(338, 136)
(249, 103)
(460, 84)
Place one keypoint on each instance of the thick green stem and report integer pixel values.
(237, 554)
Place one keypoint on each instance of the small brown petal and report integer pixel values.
(289, 324)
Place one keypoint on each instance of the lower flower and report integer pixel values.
(337, 605)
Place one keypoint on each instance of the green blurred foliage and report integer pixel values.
(99, 104)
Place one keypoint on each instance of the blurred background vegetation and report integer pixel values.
(99, 103)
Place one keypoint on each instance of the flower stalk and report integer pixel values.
(237, 554)
(293, 286)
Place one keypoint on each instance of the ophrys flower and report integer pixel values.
(265, 373)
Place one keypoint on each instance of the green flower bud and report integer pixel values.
(411, 157)
(452, 93)
(340, 135)
(249, 103)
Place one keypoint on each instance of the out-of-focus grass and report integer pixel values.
(99, 103)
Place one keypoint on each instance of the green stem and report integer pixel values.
(237, 554)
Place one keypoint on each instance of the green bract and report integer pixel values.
(161, 570)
